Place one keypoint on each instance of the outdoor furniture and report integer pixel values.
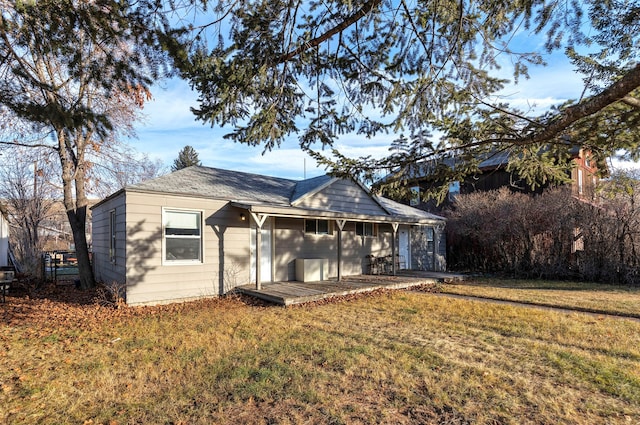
(6, 278)
(373, 264)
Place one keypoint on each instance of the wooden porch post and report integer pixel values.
(259, 220)
(340, 224)
(394, 226)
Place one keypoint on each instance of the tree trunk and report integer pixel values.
(78, 221)
(73, 175)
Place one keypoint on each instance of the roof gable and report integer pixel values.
(318, 196)
(343, 195)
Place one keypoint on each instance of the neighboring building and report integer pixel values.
(493, 174)
(194, 233)
(4, 237)
(56, 231)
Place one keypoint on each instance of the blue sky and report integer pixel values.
(169, 125)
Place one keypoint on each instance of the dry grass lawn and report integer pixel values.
(389, 357)
(598, 298)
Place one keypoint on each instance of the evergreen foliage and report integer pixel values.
(73, 73)
(416, 69)
(186, 158)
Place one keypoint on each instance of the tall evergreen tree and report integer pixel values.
(186, 158)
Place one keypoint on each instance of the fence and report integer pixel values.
(60, 267)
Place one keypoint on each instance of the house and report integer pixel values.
(4, 237)
(493, 173)
(201, 231)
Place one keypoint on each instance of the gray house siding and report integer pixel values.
(105, 270)
(423, 247)
(342, 195)
(291, 243)
(225, 262)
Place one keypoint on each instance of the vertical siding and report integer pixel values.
(423, 256)
(343, 195)
(225, 254)
(291, 242)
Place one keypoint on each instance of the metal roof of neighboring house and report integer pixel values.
(259, 191)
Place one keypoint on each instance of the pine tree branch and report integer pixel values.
(618, 91)
(366, 8)
(631, 101)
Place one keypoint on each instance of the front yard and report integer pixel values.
(593, 297)
(388, 357)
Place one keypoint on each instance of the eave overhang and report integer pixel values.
(295, 212)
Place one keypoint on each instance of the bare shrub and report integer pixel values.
(112, 294)
(514, 233)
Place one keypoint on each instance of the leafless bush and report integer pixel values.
(502, 231)
(111, 294)
(552, 235)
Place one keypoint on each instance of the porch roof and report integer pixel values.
(399, 216)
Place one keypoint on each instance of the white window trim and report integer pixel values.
(580, 182)
(166, 262)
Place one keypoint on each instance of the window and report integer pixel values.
(317, 227)
(580, 184)
(365, 229)
(182, 231)
(454, 190)
(112, 236)
(415, 196)
(430, 240)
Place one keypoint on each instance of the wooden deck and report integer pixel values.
(294, 292)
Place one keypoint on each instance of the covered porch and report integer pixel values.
(286, 241)
(295, 292)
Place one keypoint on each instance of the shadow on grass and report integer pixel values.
(540, 284)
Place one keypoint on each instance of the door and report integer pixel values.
(404, 247)
(265, 253)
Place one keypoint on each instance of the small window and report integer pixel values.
(317, 227)
(182, 231)
(415, 196)
(112, 236)
(430, 239)
(365, 229)
(580, 182)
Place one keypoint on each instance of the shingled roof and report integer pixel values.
(254, 189)
(221, 184)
